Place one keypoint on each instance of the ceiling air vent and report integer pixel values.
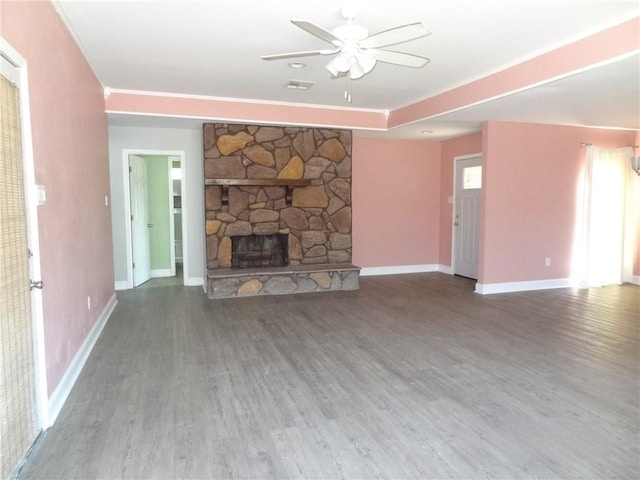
(299, 84)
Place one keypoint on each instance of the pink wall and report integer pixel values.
(465, 145)
(636, 263)
(529, 196)
(396, 191)
(69, 129)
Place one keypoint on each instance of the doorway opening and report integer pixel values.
(156, 234)
(467, 190)
(176, 192)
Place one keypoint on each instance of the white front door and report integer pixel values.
(141, 256)
(468, 186)
(19, 378)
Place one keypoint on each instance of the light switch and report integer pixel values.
(41, 195)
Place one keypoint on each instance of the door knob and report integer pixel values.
(149, 225)
(455, 224)
(39, 285)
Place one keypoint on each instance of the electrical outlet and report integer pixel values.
(88, 302)
(547, 262)
(106, 200)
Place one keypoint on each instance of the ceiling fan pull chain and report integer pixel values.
(347, 90)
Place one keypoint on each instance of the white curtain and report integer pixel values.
(609, 218)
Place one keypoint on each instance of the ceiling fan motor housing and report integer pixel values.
(350, 32)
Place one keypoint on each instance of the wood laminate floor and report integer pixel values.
(412, 376)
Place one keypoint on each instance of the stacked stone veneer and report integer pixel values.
(318, 220)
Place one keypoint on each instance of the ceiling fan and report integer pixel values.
(357, 51)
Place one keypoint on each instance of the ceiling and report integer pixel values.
(213, 48)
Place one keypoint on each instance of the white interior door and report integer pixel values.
(140, 246)
(468, 187)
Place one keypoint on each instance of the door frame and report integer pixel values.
(43, 420)
(456, 159)
(127, 208)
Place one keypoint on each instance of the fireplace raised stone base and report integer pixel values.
(229, 283)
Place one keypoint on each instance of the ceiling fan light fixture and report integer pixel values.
(332, 69)
(343, 62)
(366, 61)
(356, 71)
(339, 65)
(357, 65)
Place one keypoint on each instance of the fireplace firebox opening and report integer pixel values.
(260, 251)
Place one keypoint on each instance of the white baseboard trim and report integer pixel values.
(161, 272)
(445, 269)
(636, 280)
(395, 270)
(189, 282)
(490, 288)
(59, 396)
(194, 281)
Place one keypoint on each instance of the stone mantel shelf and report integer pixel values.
(253, 182)
(258, 182)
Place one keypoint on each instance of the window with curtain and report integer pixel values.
(608, 230)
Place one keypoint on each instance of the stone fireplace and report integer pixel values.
(278, 210)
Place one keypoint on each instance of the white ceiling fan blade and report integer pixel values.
(396, 35)
(317, 31)
(398, 58)
(310, 53)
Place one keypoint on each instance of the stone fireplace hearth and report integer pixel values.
(288, 188)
